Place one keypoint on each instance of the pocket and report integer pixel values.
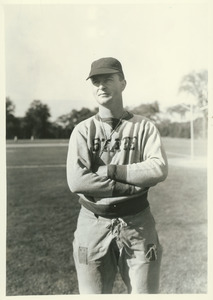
(86, 221)
(83, 255)
(141, 220)
(141, 232)
(151, 252)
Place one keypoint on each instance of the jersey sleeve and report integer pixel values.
(82, 180)
(151, 170)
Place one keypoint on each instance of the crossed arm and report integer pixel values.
(151, 170)
(82, 180)
(114, 180)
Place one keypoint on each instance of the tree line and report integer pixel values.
(36, 123)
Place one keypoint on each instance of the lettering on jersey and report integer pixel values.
(96, 145)
(116, 146)
(106, 145)
(126, 144)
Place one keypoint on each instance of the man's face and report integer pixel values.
(107, 88)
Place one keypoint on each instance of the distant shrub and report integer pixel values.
(180, 130)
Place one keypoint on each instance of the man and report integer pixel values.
(113, 159)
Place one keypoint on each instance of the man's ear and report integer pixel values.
(124, 83)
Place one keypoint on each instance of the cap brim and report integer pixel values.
(102, 71)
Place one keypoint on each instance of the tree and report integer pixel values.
(179, 109)
(81, 115)
(69, 121)
(148, 110)
(36, 121)
(12, 123)
(196, 84)
(10, 107)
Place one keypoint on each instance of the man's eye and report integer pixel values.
(95, 82)
(108, 79)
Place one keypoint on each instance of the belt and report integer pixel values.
(120, 209)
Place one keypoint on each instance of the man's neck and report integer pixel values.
(105, 112)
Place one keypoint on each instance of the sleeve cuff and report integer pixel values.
(111, 169)
(117, 172)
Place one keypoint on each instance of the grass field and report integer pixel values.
(42, 214)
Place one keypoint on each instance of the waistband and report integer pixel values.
(120, 209)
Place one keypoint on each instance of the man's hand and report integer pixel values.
(102, 171)
(138, 189)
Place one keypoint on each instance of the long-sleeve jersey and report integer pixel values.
(131, 160)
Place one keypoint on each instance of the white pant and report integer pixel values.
(102, 245)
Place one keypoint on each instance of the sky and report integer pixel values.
(49, 50)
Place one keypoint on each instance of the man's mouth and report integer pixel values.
(103, 94)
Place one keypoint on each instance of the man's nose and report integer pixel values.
(102, 85)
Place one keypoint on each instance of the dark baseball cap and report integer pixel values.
(106, 65)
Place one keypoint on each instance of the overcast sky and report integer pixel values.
(49, 50)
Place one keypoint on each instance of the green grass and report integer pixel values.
(36, 156)
(42, 215)
(183, 146)
(180, 209)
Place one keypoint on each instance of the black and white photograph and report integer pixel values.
(105, 148)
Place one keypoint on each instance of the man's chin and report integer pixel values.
(104, 99)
